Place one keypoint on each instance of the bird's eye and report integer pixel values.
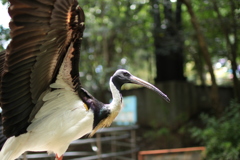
(126, 74)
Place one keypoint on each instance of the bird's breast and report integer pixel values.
(62, 119)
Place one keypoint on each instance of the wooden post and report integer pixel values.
(133, 142)
(99, 150)
(113, 145)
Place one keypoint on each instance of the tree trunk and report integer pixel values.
(232, 46)
(205, 54)
(168, 43)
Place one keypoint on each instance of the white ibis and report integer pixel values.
(44, 105)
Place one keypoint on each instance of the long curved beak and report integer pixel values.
(143, 83)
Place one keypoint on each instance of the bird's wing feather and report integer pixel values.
(3, 138)
(41, 32)
(2, 58)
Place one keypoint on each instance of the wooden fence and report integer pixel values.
(115, 143)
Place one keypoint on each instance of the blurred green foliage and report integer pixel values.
(217, 29)
(117, 35)
(221, 135)
(156, 133)
(4, 1)
(4, 36)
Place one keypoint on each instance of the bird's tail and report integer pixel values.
(12, 148)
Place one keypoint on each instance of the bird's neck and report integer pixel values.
(116, 96)
(110, 110)
(116, 104)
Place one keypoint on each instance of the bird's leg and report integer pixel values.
(58, 158)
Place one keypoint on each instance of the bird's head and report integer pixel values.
(123, 76)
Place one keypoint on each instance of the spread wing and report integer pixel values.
(41, 32)
(2, 58)
(2, 137)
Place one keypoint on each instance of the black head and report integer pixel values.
(122, 76)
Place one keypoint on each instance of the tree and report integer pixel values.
(168, 41)
(205, 53)
(114, 37)
(229, 25)
(4, 36)
(4, 32)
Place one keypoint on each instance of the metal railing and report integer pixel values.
(115, 143)
(191, 153)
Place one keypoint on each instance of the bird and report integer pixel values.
(44, 105)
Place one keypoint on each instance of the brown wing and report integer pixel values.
(2, 58)
(41, 31)
(2, 137)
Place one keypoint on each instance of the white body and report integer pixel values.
(62, 119)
